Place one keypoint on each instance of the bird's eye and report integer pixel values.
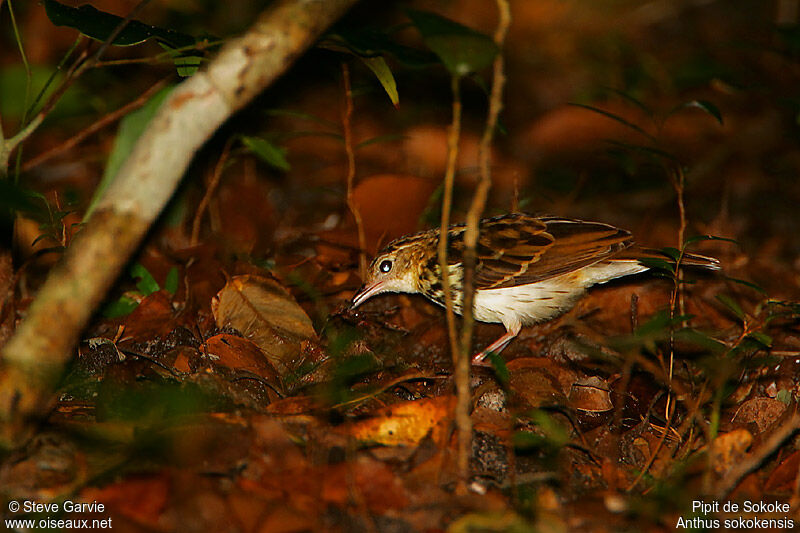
(385, 266)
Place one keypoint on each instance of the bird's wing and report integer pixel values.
(518, 249)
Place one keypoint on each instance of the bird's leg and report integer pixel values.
(512, 330)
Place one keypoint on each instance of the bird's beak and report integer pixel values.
(366, 292)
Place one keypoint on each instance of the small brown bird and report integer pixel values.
(529, 269)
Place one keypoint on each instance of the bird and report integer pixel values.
(529, 269)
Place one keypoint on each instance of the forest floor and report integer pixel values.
(226, 385)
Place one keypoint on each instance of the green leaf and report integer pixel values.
(171, 283)
(272, 155)
(553, 434)
(761, 338)
(635, 101)
(672, 253)
(18, 199)
(384, 74)
(381, 138)
(706, 106)
(99, 25)
(697, 238)
(371, 42)
(462, 50)
(731, 304)
(123, 306)
(147, 284)
(658, 264)
(616, 118)
(130, 129)
(746, 284)
(700, 339)
(500, 368)
(186, 64)
(527, 440)
(660, 323)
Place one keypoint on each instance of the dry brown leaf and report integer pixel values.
(372, 480)
(294, 405)
(264, 312)
(591, 395)
(532, 379)
(285, 519)
(153, 317)
(784, 475)
(237, 353)
(763, 412)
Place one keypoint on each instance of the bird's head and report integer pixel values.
(395, 269)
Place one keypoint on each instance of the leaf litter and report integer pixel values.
(251, 399)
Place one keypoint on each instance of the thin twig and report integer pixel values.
(447, 205)
(347, 131)
(678, 182)
(72, 74)
(654, 454)
(211, 188)
(81, 64)
(471, 232)
(79, 137)
(53, 75)
(680, 188)
(9, 145)
(162, 58)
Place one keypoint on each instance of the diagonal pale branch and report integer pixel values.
(34, 359)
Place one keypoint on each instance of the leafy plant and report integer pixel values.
(102, 26)
(461, 50)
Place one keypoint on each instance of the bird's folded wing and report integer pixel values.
(520, 249)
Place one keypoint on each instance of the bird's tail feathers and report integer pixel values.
(687, 260)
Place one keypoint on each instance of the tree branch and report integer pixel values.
(34, 358)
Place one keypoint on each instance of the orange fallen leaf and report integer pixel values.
(237, 353)
(405, 423)
(729, 449)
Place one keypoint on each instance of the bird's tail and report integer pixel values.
(687, 260)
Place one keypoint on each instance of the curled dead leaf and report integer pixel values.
(265, 313)
(591, 395)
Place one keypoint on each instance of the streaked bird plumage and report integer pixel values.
(529, 269)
